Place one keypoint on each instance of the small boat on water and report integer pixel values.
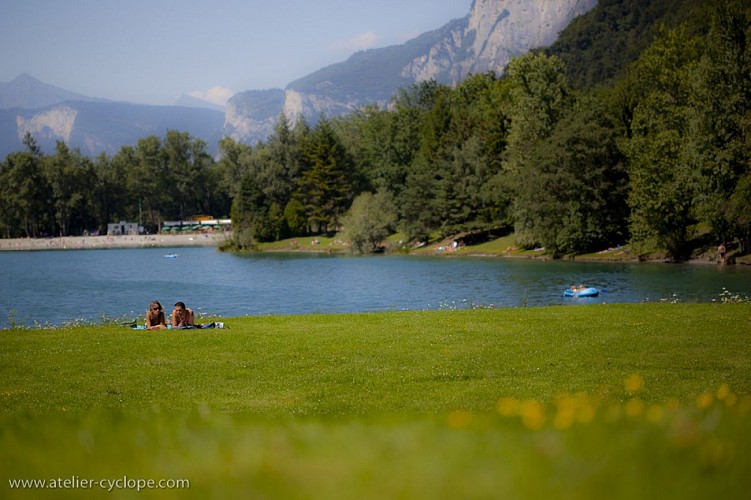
(171, 255)
(581, 292)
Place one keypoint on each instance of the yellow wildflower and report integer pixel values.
(723, 392)
(730, 400)
(507, 407)
(654, 413)
(634, 383)
(634, 407)
(533, 415)
(458, 419)
(704, 400)
(586, 413)
(565, 414)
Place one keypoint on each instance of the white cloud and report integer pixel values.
(361, 41)
(215, 95)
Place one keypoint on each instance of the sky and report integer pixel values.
(153, 51)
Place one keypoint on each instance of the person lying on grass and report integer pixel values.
(182, 316)
(155, 317)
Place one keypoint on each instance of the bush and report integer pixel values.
(369, 221)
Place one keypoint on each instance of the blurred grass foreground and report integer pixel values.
(606, 401)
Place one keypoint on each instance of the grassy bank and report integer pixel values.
(504, 246)
(618, 401)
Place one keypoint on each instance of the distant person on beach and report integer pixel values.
(155, 319)
(182, 316)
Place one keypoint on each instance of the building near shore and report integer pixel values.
(202, 224)
(123, 228)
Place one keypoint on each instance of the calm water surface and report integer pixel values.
(62, 286)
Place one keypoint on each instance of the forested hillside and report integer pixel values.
(598, 47)
(652, 151)
(574, 150)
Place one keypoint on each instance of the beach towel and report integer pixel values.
(205, 326)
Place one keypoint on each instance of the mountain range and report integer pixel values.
(486, 39)
(94, 126)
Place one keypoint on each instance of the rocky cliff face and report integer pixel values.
(96, 127)
(250, 116)
(53, 114)
(486, 39)
(496, 31)
(53, 124)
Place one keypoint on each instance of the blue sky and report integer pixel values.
(152, 51)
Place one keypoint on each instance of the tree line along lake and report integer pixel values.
(61, 287)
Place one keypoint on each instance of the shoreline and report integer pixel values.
(113, 242)
(216, 239)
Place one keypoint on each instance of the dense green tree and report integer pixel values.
(71, 178)
(125, 162)
(540, 96)
(663, 181)
(324, 184)
(10, 213)
(482, 115)
(276, 165)
(187, 175)
(149, 181)
(390, 141)
(720, 114)
(423, 201)
(110, 191)
(227, 173)
(473, 144)
(26, 195)
(365, 135)
(369, 221)
(248, 213)
(282, 164)
(294, 218)
(272, 171)
(598, 46)
(738, 213)
(575, 201)
(435, 124)
(31, 145)
(234, 162)
(420, 215)
(458, 189)
(481, 110)
(8, 222)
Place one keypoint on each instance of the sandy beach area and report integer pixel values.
(103, 242)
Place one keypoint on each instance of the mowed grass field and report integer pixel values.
(606, 401)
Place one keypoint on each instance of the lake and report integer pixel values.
(58, 287)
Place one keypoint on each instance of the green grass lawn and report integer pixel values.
(333, 244)
(607, 401)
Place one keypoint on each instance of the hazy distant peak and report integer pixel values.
(27, 92)
(188, 101)
(25, 78)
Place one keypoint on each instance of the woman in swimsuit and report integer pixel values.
(155, 317)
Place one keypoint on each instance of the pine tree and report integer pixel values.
(324, 186)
